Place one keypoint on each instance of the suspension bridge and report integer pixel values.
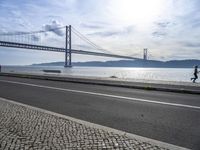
(38, 40)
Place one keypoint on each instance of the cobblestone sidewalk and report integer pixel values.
(24, 128)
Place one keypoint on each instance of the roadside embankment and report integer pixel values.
(179, 87)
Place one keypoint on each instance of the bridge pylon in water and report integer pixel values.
(68, 47)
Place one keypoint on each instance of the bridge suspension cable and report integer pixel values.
(32, 32)
(84, 38)
(35, 37)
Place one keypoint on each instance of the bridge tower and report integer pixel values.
(145, 54)
(68, 47)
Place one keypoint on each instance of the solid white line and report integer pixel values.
(102, 94)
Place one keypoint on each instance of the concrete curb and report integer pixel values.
(96, 81)
(97, 126)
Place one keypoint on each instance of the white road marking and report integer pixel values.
(105, 95)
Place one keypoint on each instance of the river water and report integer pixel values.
(162, 74)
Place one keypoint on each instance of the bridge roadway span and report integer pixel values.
(56, 49)
(131, 110)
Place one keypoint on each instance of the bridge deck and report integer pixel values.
(56, 49)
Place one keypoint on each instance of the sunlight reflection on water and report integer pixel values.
(163, 74)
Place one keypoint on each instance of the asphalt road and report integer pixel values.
(169, 117)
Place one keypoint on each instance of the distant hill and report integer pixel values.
(131, 63)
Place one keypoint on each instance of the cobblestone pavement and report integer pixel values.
(24, 128)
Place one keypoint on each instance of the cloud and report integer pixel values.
(54, 17)
(125, 31)
(91, 26)
(162, 29)
(196, 23)
(159, 34)
(105, 34)
(35, 38)
(54, 27)
(190, 44)
(163, 24)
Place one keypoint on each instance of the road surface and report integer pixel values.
(169, 117)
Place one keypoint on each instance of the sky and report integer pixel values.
(170, 29)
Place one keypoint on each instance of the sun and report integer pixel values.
(136, 11)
